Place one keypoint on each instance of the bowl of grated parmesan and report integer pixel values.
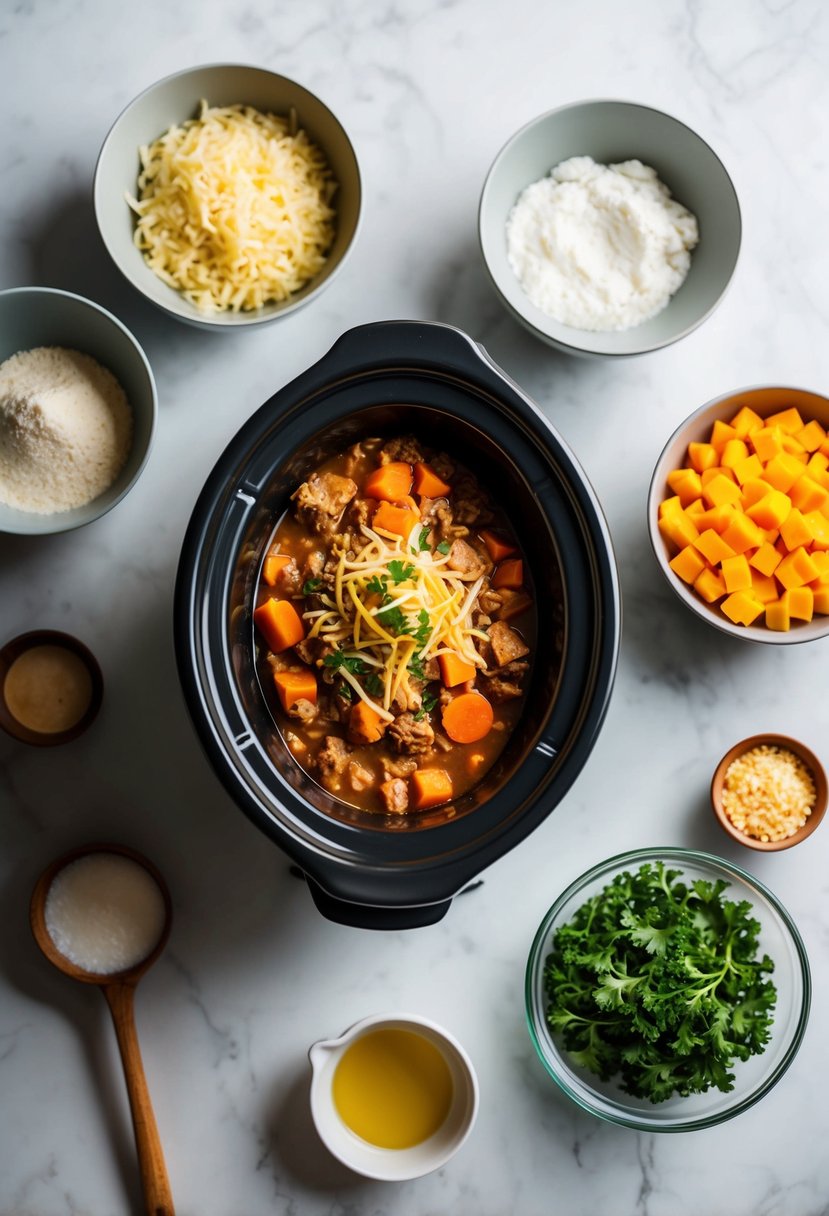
(77, 410)
(609, 228)
(769, 792)
(229, 196)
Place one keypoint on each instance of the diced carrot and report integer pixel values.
(427, 482)
(496, 546)
(467, 718)
(273, 566)
(364, 724)
(293, 686)
(279, 623)
(509, 574)
(391, 482)
(430, 787)
(399, 520)
(455, 670)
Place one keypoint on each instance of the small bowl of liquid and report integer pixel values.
(51, 688)
(394, 1097)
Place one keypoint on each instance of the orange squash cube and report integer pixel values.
(796, 569)
(665, 508)
(771, 511)
(748, 469)
(763, 587)
(721, 432)
(767, 443)
(678, 528)
(821, 561)
(733, 452)
(710, 584)
(737, 573)
(783, 471)
(788, 420)
(717, 518)
(702, 456)
(801, 603)
(741, 608)
(686, 483)
(742, 534)
(818, 463)
(812, 435)
(821, 600)
(766, 559)
(795, 531)
(713, 547)
(745, 421)
(777, 616)
(688, 564)
(807, 494)
(720, 490)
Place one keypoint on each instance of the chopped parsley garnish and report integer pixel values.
(444, 547)
(399, 572)
(311, 585)
(416, 666)
(377, 585)
(422, 543)
(661, 981)
(350, 662)
(394, 620)
(426, 706)
(421, 634)
(345, 691)
(374, 686)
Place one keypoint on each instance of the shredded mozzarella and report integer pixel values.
(234, 208)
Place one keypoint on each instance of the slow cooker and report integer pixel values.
(394, 378)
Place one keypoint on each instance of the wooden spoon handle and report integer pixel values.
(158, 1198)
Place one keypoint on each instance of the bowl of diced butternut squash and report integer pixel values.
(738, 514)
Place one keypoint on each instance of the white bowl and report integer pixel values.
(393, 1165)
(610, 132)
(42, 316)
(764, 400)
(175, 99)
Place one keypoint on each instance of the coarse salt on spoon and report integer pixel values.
(102, 915)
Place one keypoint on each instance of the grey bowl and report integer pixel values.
(613, 131)
(43, 316)
(175, 99)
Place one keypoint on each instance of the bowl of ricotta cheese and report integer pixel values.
(609, 228)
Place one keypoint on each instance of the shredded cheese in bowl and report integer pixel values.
(394, 606)
(234, 208)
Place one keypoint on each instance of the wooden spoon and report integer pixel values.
(119, 991)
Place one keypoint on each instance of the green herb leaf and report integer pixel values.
(399, 572)
(311, 585)
(444, 547)
(377, 585)
(394, 620)
(351, 662)
(374, 686)
(345, 691)
(422, 542)
(427, 704)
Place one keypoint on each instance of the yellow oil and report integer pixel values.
(393, 1088)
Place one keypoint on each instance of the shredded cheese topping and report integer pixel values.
(234, 208)
(394, 607)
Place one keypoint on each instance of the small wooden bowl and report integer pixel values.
(49, 637)
(818, 776)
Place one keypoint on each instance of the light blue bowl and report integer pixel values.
(610, 132)
(44, 316)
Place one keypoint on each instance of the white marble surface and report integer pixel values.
(429, 91)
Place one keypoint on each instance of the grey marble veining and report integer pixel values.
(429, 92)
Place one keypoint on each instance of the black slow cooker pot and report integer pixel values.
(393, 378)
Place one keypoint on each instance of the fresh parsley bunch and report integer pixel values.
(660, 981)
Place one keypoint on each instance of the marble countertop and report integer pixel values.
(429, 91)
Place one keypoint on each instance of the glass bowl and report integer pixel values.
(754, 1077)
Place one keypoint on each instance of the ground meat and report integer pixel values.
(489, 600)
(357, 454)
(442, 743)
(504, 684)
(514, 603)
(408, 697)
(332, 761)
(312, 651)
(289, 579)
(313, 565)
(442, 465)
(406, 448)
(410, 736)
(395, 794)
(403, 766)
(359, 777)
(466, 560)
(359, 515)
(506, 644)
(469, 503)
(436, 514)
(286, 661)
(431, 670)
(303, 709)
(321, 499)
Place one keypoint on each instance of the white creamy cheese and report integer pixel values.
(600, 247)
